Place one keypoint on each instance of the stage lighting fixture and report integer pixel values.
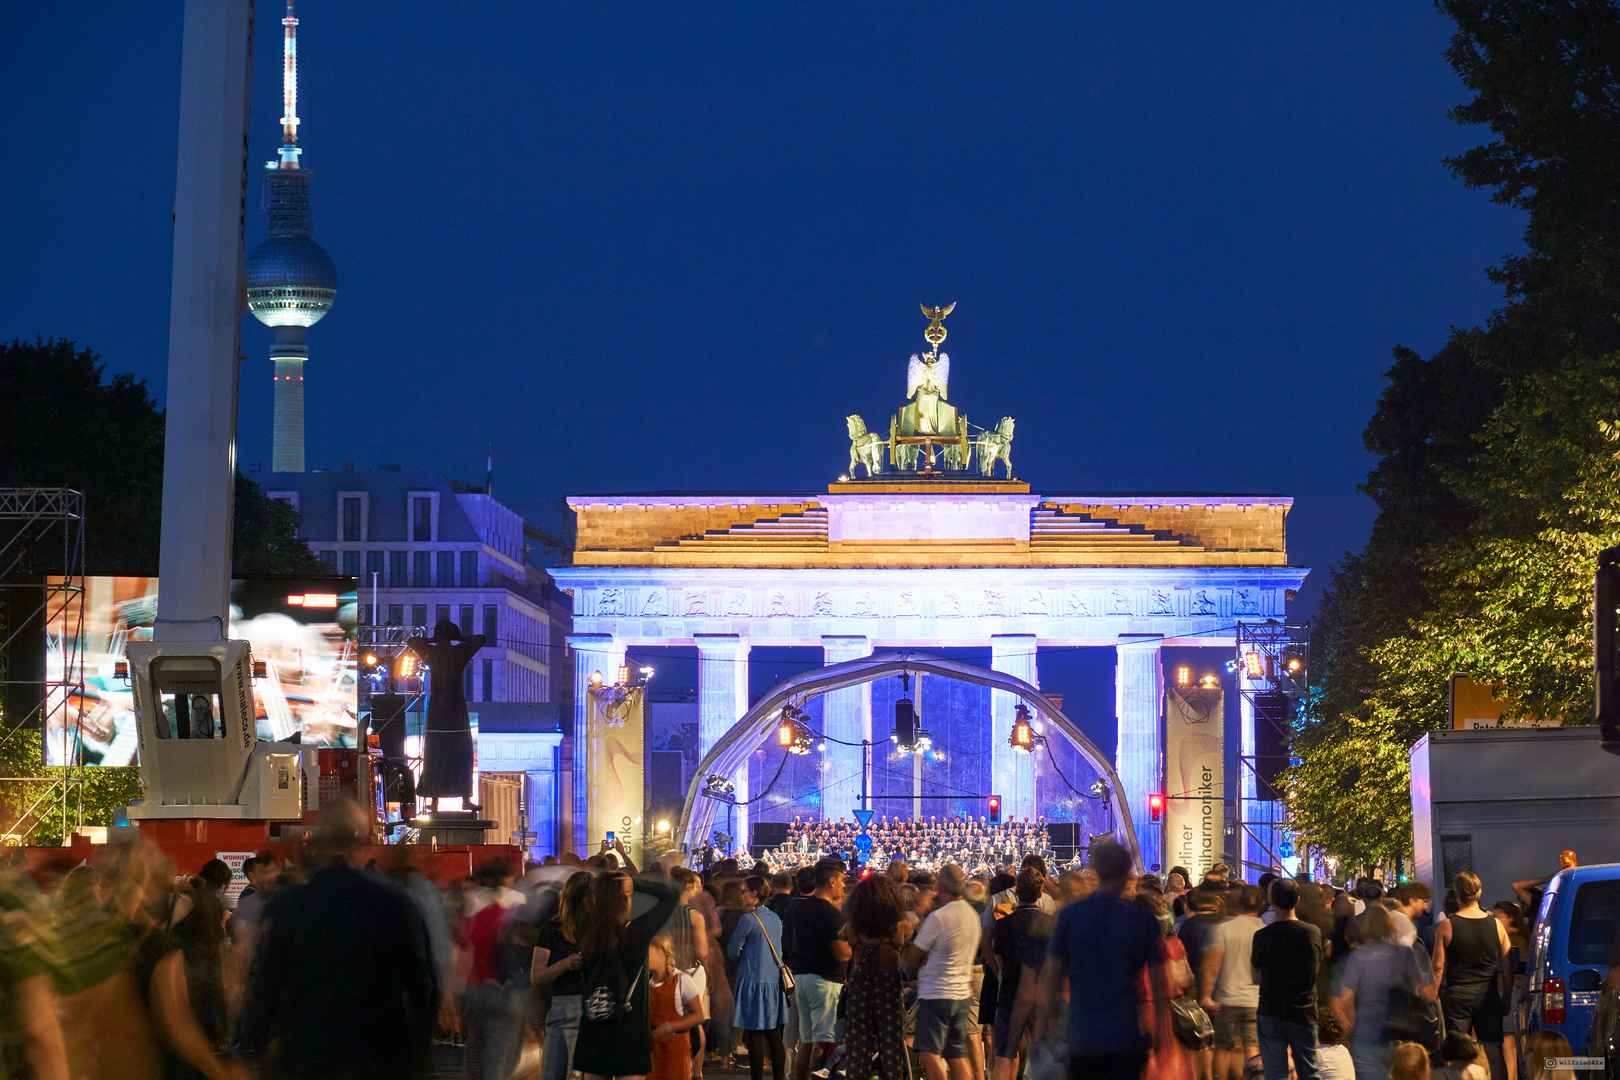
(1183, 675)
(1253, 665)
(596, 678)
(1023, 732)
(624, 675)
(1211, 681)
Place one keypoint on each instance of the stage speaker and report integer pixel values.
(905, 722)
(665, 792)
(1064, 834)
(1271, 715)
(388, 723)
(768, 834)
(22, 606)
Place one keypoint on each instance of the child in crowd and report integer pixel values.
(674, 1007)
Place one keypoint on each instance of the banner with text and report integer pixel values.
(1194, 782)
(616, 737)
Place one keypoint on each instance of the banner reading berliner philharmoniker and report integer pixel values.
(1194, 781)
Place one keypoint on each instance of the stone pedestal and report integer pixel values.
(846, 717)
(1012, 772)
(1139, 759)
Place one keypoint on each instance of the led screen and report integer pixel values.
(302, 629)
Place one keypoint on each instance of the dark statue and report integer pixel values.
(447, 746)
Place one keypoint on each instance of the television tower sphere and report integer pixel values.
(290, 281)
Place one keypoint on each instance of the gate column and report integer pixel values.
(722, 701)
(1139, 759)
(592, 652)
(1012, 772)
(847, 717)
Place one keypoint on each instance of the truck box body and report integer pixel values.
(1503, 802)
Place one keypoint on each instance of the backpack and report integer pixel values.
(606, 998)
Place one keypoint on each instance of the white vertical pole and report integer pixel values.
(205, 321)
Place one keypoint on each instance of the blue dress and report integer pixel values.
(761, 1005)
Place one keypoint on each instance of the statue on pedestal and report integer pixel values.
(865, 447)
(447, 747)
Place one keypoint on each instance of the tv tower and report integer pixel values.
(291, 281)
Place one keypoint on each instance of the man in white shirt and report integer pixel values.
(1226, 985)
(947, 1029)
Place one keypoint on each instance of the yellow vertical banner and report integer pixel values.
(1194, 781)
(615, 773)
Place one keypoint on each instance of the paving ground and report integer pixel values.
(447, 1066)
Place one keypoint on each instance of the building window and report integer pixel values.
(421, 519)
(467, 620)
(469, 569)
(351, 564)
(398, 572)
(396, 614)
(374, 565)
(328, 560)
(424, 569)
(418, 614)
(490, 625)
(351, 519)
(467, 683)
(441, 614)
(489, 680)
(447, 569)
(365, 615)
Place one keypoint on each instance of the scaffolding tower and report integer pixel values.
(1271, 665)
(42, 599)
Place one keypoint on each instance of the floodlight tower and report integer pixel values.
(291, 281)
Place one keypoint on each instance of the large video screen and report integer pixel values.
(303, 629)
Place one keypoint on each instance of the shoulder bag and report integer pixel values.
(788, 985)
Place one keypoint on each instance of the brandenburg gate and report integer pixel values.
(929, 550)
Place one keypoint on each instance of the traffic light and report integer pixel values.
(993, 810)
(1156, 807)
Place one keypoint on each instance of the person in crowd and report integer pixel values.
(1014, 945)
(556, 963)
(689, 934)
(820, 966)
(492, 1002)
(674, 1008)
(898, 872)
(1333, 1060)
(910, 896)
(1373, 969)
(1204, 912)
(1408, 1061)
(990, 988)
(1100, 946)
(1464, 1059)
(1226, 986)
(1539, 1047)
(947, 1027)
(198, 923)
(1470, 955)
(430, 905)
(1285, 957)
(761, 1006)
(1511, 917)
(874, 1027)
(30, 1032)
(368, 1015)
(1160, 984)
(614, 951)
(1411, 902)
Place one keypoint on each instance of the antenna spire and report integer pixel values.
(289, 92)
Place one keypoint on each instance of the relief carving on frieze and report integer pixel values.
(610, 602)
(656, 602)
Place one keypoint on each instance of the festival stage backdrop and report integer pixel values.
(1195, 784)
(302, 628)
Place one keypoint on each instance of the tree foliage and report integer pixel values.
(64, 423)
(1498, 479)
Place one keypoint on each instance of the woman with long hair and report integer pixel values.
(875, 1014)
(615, 1036)
(1376, 966)
(557, 964)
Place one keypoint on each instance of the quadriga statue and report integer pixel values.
(993, 445)
(865, 447)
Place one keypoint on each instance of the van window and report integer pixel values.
(1594, 920)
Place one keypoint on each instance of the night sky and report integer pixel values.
(652, 247)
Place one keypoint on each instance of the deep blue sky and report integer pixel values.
(672, 246)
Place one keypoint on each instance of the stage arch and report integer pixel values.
(732, 750)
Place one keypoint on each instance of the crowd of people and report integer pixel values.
(976, 844)
(331, 968)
